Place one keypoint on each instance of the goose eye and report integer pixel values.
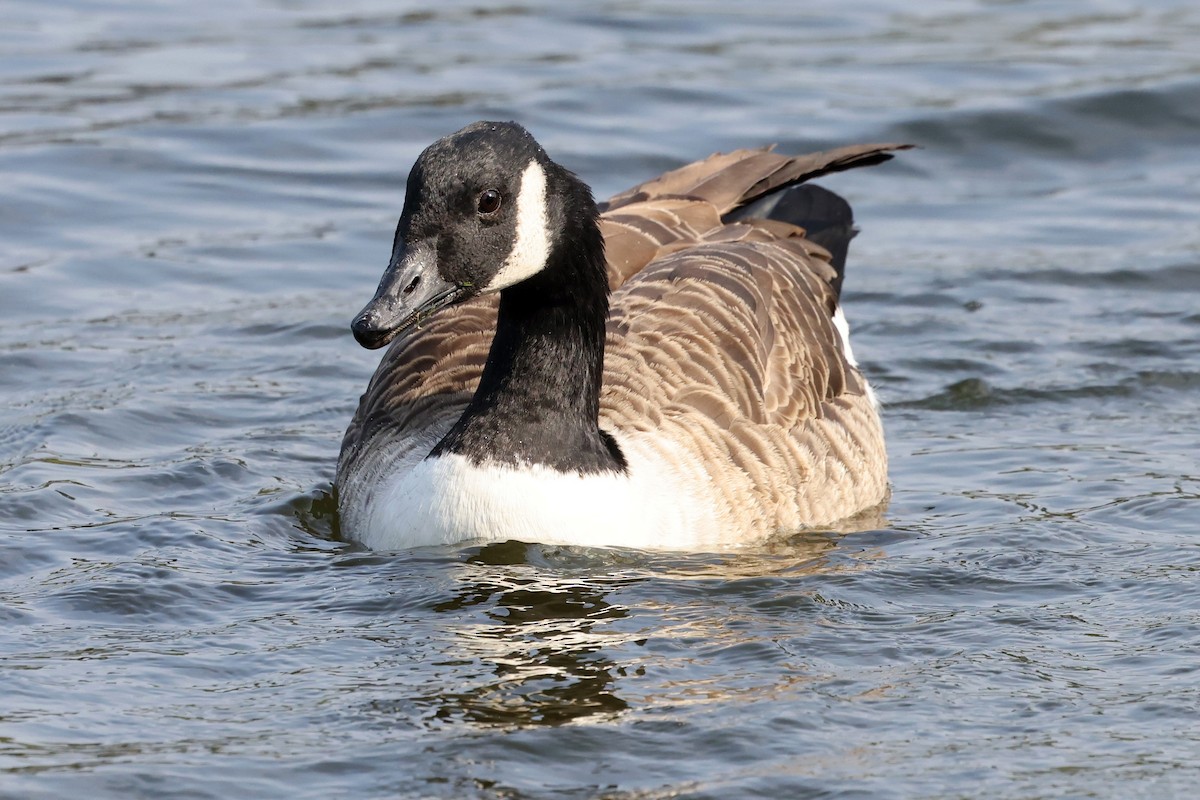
(489, 202)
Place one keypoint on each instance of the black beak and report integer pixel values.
(410, 291)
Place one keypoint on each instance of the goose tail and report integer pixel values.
(825, 216)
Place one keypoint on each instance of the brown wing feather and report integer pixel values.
(728, 180)
(425, 379)
(733, 343)
(720, 343)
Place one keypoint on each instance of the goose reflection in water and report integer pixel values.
(546, 638)
(541, 640)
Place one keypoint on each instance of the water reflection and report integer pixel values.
(544, 638)
(315, 513)
(541, 638)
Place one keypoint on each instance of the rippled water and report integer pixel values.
(195, 200)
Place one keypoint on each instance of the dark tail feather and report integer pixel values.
(825, 215)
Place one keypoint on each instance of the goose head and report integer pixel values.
(481, 213)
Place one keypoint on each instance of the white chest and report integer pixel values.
(448, 499)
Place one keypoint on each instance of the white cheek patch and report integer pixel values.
(531, 248)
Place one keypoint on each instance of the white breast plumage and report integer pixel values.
(446, 499)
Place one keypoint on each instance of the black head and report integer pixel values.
(481, 214)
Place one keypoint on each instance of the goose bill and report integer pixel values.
(410, 291)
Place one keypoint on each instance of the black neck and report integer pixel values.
(538, 400)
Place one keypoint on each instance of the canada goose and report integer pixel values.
(711, 401)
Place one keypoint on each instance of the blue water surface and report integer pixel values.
(196, 198)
